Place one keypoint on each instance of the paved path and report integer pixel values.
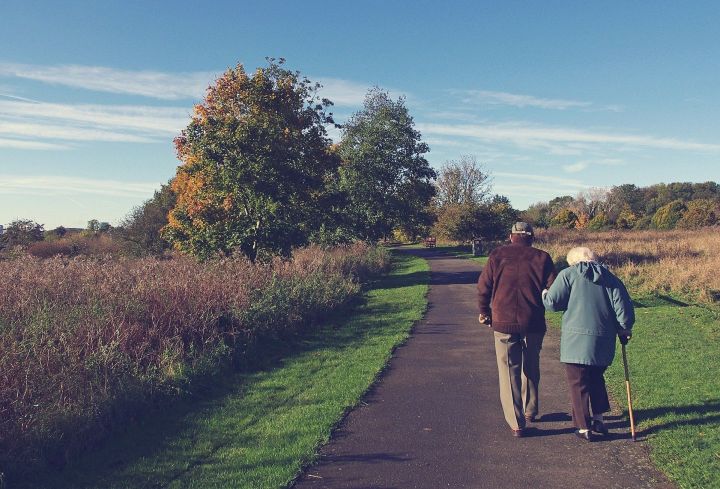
(434, 419)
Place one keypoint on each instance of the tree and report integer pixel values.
(21, 232)
(490, 220)
(93, 226)
(538, 214)
(141, 229)
(625, 197)
(600, 221)
(255, 162)
(626, 219)
(564, 219)
(462, 182)
(668, 215)
(384, 174)
(699, 213)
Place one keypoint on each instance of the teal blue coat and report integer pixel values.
(597, 307)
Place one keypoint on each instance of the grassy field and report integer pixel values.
(259, 428)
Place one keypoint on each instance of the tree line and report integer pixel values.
(681, 205)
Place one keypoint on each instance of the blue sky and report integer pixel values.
(552, 97)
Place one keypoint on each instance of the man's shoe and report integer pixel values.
(599, 427)
(585, 435)
(530, 418)
(519, 433)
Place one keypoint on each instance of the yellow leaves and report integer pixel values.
(189, 189)
(227, 204)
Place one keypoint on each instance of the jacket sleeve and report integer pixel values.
(485, 287)
(558, 294)
(549, 273)
(623, 305)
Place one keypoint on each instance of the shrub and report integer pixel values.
(699, 213)
(87, 342)
(75, 245)
(564, 219)
(667, 216)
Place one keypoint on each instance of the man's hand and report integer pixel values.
(624, 338)
(483, 319)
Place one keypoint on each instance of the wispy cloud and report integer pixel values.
(489, 97)
(559, 138)
(35, 122)
(343, 92)
(155, 84)
(61, 185)
(159, 120)
(582, 165)
(15, 97)
(33, 145)
(33, 132)
(524, 185)
(519, 100)
(575, 167)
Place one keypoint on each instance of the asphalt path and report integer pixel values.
(434, 419)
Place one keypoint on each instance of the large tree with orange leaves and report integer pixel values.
(256, 161)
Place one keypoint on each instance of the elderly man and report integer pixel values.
(509, 296)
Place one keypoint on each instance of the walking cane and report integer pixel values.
(627, 388)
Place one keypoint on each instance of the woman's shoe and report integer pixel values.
(599, 427)
(585, 435)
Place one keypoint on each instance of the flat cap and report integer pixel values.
(522, 228)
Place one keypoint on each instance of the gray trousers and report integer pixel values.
(518, 360)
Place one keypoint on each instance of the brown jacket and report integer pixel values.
(510, 288)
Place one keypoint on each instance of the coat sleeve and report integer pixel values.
(623, 305)
(485, 287)
(558, 294)
(549, 273)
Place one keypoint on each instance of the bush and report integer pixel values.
(87, 342)
(668, 215)
(75, 245)
(699, 213)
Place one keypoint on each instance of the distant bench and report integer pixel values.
(429, 242)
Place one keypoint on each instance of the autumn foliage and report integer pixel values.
(255, 160)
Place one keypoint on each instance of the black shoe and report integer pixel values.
(585, 435)
(530, 419)
(599, 427)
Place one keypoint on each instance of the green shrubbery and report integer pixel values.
(86, 343)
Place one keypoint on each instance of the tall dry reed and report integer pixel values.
(685, 262)
(84, 342)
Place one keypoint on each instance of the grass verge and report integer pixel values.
(258, 429)
(674, 364)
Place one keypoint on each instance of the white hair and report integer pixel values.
(580, 253)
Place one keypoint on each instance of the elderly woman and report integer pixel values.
(597, 308)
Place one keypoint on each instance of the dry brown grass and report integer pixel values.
(86, 342)
(681, 261)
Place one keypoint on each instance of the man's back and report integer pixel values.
(510, 286)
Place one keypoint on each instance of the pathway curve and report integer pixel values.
(434, 419)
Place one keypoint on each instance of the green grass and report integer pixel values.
(674, 360)
(258, 429)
